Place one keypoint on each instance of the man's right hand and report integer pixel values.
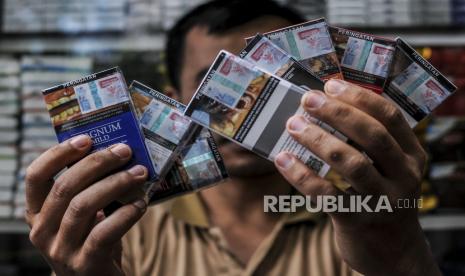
(65, 215)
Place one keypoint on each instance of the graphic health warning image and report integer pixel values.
(414, 85)
(165, 128)
(183, 152)
(263, 53)
(198, 166)
(267, 56)
(365, 59)
(257, 121)
(309, 43)
(98, 106)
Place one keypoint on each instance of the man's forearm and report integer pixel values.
(415, 259)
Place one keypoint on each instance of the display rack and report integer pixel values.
(13, 227)
(82, 44)
(430, 39)
(433, 222)
(154, 41)
(436, 222)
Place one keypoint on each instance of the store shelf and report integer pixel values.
(13, 227)
(156, 42)
(431, 39)
(422, 37)
(443, 222)
(428, 223)
(82, 44)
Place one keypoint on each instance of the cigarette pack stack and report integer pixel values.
(143, 14)
(399, 13)
(29, 16)
(9, 134)
(183, 153)
(37, 134)
(180, 155)
(309, 8)
(173, 9)
(310, 44)
(437, 12)
(347, 12)
(248, 98)
(458, 12)
(250, 107)
(99, 106)
(395, 13)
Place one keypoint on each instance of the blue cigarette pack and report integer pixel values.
(99, 105)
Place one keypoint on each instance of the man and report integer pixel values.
(223, 230)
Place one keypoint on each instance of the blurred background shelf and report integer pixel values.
(431, 222)
(82, 44)
(443, 222)
(427, 38)
(13, 227)
(155, 42)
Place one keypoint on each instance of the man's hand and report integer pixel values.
(65, 215)
(385, 243)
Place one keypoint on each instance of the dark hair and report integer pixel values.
(219, 16)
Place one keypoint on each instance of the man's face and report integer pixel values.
(201, 48)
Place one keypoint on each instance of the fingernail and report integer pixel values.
(121, 150)
(314, 99)
(141, 204)
(284, 160)
(137, 170)
(297, 123)
(80, 141)
(335, 87)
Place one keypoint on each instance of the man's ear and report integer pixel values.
(171, 92)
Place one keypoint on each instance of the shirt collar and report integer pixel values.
(191, 210)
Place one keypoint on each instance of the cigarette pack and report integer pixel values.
(199, 166)
(176, 145)
(250, 107)
(266, 55)
(310, 43)
(263, 53)
(98, 105)
(414, 85)
(364, 58)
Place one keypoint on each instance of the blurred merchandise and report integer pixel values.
(446, 144)
(9, 132)
(450, 60)
(29, 16)
(396, 13)
(37, 73)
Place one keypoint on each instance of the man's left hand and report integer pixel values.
(383, 243)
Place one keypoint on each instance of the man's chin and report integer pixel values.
(241, 162)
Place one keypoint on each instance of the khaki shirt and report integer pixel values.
(175, 238)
